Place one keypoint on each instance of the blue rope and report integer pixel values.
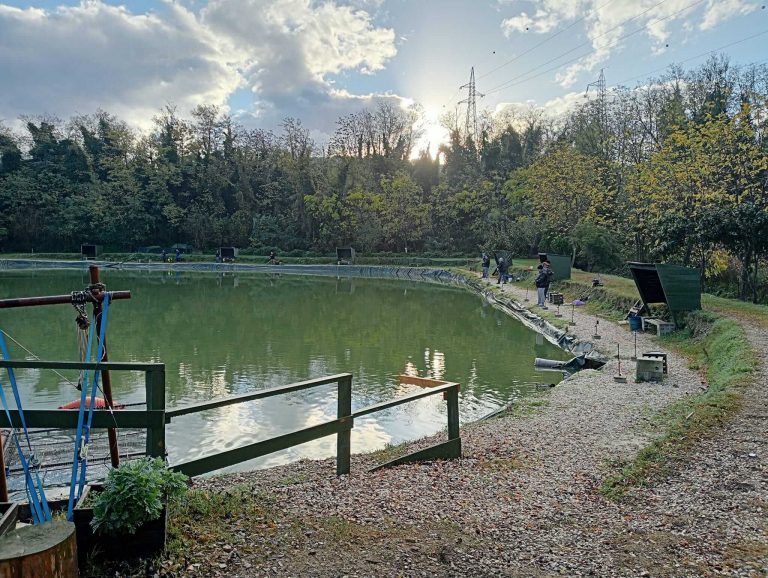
(35, 492)
(78, 436)
(94, 387)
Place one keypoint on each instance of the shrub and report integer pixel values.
(133, 494)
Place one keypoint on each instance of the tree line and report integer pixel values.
(673, 170)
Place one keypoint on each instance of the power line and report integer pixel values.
(455, 94)
(558, 33)
(514, 81)
(686, 60)
(708, 52)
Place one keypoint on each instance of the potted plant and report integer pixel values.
(126, 516)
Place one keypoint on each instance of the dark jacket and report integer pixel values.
(503, 266)
(544, 278)
(486, 261)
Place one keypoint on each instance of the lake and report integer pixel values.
(228, 333)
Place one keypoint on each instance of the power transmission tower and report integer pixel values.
(602, 111)
(470, 127)
(600, 85)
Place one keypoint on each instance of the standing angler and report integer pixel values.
(542, 281)
(503, 268)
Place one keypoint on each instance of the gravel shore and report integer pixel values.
(524, 499)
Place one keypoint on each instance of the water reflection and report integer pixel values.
(224, 333)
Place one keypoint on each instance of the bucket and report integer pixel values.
(635, 322)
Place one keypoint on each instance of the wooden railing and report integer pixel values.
(152, 419)
(156, 416)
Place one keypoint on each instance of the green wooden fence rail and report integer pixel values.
(341, 426)
(156, 416)
(152, 419)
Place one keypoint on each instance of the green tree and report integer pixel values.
(404, 214)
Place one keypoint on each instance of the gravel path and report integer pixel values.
(524, 500)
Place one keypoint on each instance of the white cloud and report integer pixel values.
(81, 58)
(720, 10)
(540, 22)
(77, 59)
(553, 108)
(609, 26)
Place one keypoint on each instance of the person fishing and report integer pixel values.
(503, 268)
(543, 279)
(486, 265)
(550, 277)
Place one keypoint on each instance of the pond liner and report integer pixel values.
(362, 271)
(423, 274)
(575, 364)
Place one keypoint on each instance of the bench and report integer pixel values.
(662, 327)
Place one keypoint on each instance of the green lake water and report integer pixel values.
(222, 334)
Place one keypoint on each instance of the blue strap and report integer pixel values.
(34, 505)
(35, 491)
(80, 461)
(94, 387)
(12, 379)
(78, 435)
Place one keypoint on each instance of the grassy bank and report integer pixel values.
(713, 342)
(719, 349)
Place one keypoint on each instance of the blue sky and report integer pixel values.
(316, 60)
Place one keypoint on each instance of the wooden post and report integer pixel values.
(344, 438)
(453, 412)
(155, 394)
(106, 379)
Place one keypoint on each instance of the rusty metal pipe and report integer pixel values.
(59, 299)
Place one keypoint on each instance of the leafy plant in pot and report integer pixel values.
(126, 516)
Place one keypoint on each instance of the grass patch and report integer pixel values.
(199, 523)
(292, 480)
(750, 312)
(721, 347)
(528, 405)
(203, 517)
(389, 452)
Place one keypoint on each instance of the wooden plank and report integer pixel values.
(420, 381)
(238, 455)
(404, 399)
(10, 515)
(264, 393)
(114, 365)
(102, 419)
(447, 450)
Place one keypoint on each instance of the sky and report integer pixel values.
(316, 60)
